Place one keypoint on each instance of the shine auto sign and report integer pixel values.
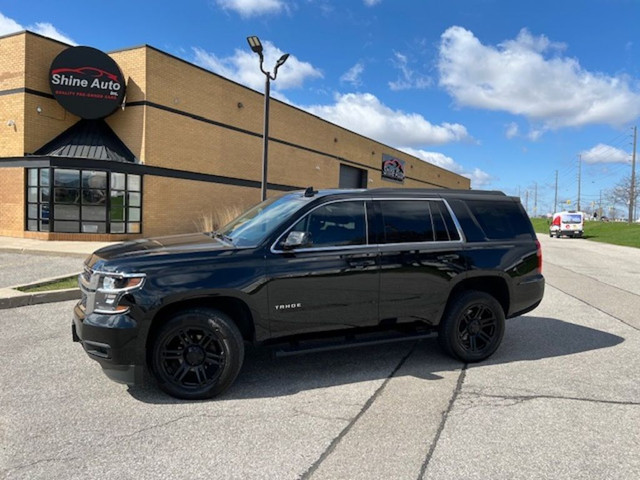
(86, 82)
(392, 168)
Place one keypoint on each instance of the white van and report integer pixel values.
(570, 224)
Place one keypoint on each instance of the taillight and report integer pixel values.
(539, 255)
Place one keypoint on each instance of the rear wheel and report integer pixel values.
(472, 327)
(197, 354)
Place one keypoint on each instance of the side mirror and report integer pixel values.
(296, 240)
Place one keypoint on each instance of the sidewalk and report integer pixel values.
(11, 298)
(39, 247)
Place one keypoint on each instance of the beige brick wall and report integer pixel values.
(174, 206)
(12, 201)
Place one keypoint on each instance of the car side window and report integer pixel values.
(406, 221)
(415, 221)
(335, 224)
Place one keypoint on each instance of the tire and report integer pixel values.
(472, 327)
(197, 354)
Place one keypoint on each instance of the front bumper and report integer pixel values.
(110, 340)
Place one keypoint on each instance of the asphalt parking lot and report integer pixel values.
(559, 400)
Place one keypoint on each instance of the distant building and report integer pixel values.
(141, 143)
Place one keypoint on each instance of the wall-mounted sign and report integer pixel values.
(86, 82)
(392, 168)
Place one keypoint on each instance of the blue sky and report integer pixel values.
(505, 92)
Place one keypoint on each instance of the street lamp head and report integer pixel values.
(281, 60)
(254, 43)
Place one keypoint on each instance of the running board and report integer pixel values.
(296, 348)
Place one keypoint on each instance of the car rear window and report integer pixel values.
(501, 220)
(572, 218)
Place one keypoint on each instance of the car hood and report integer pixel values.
(159, 246)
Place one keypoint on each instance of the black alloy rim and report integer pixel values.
(478, 329)
(192, 357)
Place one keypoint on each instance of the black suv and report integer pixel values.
(304, 271)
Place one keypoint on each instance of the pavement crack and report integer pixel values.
(37, 462)
(332, 446)
(519, 399)
(594, 306)
(445, 415)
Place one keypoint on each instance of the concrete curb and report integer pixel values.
(11, 297)
(24, 299)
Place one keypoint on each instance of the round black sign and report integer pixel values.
(86, 82)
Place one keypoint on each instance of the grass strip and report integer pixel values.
(60, 284)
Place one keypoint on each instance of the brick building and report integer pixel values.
(184, 146)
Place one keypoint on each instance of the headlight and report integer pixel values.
(104, 290)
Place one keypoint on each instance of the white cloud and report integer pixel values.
(371, 3)
(244, 67)
(517, 77)
(512, 130)
(408, 78)
(602, 153)
(366, 115)
(253, 8)
(8, 25)
(479, 179)
(353, 75)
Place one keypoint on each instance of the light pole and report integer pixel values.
(256, 46)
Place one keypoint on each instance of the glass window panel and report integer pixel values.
(117, 228)
(44, 211)
(117, 198)
(32, 211)
(116, 214)
(117, 181)
(134, 199)
(94, 179)
(32, 174)
(94, 197)
(44, 177)
(66, 212)
(66, 178)
(67, 227)
(133, 183)
(66, 195)
(32, 225)
(44, 225)
(134, 214)
(32, 194)
(133, 228)
(94, 227)
(44, 195)
(94, 213)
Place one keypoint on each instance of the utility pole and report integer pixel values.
(526, 201)
(600, 206)
(535, 200)
(632, 189)
(579, 179)
(555, 200)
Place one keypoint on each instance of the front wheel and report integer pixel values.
(197, 354)
(472, 327)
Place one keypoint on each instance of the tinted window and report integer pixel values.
(501, 220)
(443, 225)
(406, 221)
(336, 224)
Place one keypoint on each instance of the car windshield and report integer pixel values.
(253, 226)
(575, 218)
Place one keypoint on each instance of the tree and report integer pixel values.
(619, 195)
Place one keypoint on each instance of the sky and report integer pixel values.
(504, 92)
